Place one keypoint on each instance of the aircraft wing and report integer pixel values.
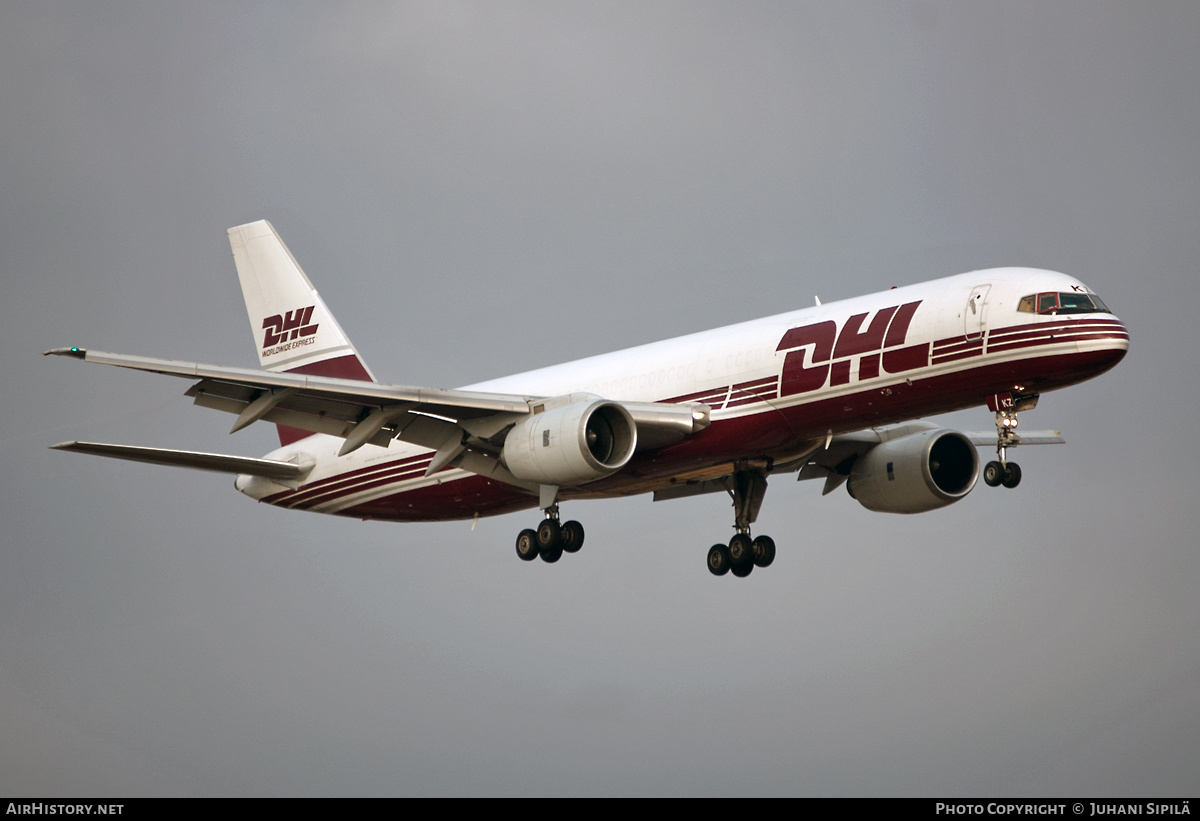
(370, 412)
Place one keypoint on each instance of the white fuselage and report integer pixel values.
(773, 384)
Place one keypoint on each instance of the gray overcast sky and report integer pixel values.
(479, 189)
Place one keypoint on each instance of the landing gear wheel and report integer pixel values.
(718, 560)
(763, 550)
(742, 571)
(993, 474)
(741, 552)
(571, 537)
(1012, 475)
(527, 546)
(549, 541)
(549, 534)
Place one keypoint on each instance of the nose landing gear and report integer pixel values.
(1004, 472)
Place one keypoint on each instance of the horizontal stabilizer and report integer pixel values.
(221, 463)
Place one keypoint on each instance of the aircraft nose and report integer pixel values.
(1107, 344)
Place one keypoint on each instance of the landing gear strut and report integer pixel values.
(551, 539)
(747, 487)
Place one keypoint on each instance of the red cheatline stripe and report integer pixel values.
(1054, 329)
(1031, 333)
(1036, 333)
(1121, 334)
(333, 495)
(395, 470)
(756, 383)
(420, 461)
(307, 495)
(972, 345)
(758, 390)
(954, 357)
(716, 399)
(365, 471)
(951, 340)
(1058, 333)
(703, 396)
(1056, 340)
(1052, 326)
(1059, 323)
(749, 400)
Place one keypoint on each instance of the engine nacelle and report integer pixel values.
(914, 473)
(571, 445)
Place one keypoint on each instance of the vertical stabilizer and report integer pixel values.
(293, 329)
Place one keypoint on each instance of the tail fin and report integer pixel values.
(293, 330)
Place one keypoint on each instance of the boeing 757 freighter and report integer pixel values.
(830, 392)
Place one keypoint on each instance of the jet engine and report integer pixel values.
(572, 444)
(915, 472)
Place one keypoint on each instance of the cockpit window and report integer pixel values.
(1070, 302)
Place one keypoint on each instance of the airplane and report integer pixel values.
(837, 391)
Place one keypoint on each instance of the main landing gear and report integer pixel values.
(747, 488)
(1004, 472)
(551, 539)
(741, 555)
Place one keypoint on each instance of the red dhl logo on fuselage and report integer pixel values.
(881, 345)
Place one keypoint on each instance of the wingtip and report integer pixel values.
(64, 445)
(78, 353)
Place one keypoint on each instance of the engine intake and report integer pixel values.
(571, 445)
(915, 472)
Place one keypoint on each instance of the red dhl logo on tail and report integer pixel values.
(294, 323)
(832, 352)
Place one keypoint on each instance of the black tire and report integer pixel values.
(742, 571)
(993, 474)
(1012, 475)
(741, 551)
(527, 546)
(764, 551)
(718, 560)
(551, 554)
(549, 535)
(571, 537)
